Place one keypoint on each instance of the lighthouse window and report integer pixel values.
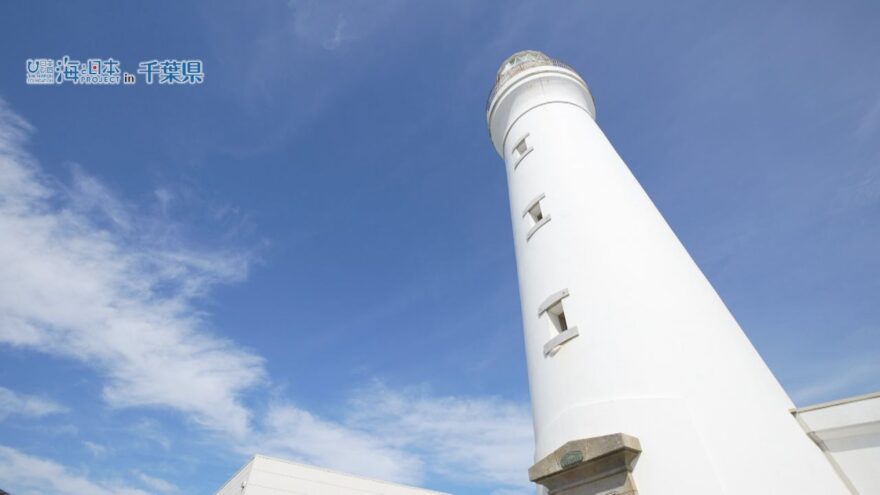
(521, 147)
(558, 322)
(521, 150)
(535, 212)
(557, 317)
(536, 215)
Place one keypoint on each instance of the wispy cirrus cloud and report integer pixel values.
(294, 433)
(77, 280)
(83, 277)
(157, 484)
(23, 473)
(406, 435)
(468, 439)
(96, 449)
(12, 402)
(834, 379)
(331, 25)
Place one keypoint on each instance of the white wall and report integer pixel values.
(657, 355)
(264, 475)
(234, 486)
(849, 432)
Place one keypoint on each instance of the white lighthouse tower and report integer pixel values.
(640, 377)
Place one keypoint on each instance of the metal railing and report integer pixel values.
(505, 76)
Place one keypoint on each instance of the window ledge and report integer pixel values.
(537, 226)
(553, 299)
(560, 339)
(520, 159)
(532, 204)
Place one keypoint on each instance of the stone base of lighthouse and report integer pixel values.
(590, 466)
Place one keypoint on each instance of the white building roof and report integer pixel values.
(264, 475)
(848, 431)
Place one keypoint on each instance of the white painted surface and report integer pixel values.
(236, 485)
(849, 432)
(264, 475)
(658, 354)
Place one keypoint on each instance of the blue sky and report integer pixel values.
(310, 255)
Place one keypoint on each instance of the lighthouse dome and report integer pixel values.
(526, 58)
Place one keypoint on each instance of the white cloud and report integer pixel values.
(290, 432)
(471, 439)
(22, 473)
(96, 449)
(157, 484)
(26, 405)
(835, 379)
(151, 431)
(78, 280)
(406, 435)
(83, 277)
(333, 24)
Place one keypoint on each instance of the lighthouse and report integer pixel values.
(641, 380)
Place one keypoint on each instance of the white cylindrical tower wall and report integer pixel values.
(649, 349)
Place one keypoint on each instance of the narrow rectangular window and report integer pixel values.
(559, 325)
(557, 317)
(536, 213)
(521, 147)
(521, 150)
(536, 216)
